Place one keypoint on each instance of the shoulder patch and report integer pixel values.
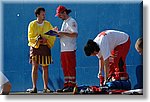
(74, 24)
(102, 33)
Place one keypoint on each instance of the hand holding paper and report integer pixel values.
(52, 33)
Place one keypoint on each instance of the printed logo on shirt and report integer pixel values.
(102, 33)
(73, 24)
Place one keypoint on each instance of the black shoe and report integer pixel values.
(47, 90)
(61, 90)
(68, 89)
(33, 90)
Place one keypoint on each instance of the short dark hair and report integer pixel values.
(67, 11)
(38, 10)
(90, 47)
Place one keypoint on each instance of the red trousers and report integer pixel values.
(68, 62)
(118, 66)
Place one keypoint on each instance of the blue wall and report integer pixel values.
(91, 18)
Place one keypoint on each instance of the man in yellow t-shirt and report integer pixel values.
(40, 48)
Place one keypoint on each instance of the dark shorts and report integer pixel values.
(41, 55)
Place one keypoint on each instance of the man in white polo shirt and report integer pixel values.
(111, 47)
(68, 35)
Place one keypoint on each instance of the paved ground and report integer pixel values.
(40, 93)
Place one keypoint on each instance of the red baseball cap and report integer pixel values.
(59, 10)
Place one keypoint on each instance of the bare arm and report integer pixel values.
(106, 68)
(101, 65)
(68, 34)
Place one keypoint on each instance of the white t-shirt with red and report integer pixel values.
(109, 41)
(68, 43)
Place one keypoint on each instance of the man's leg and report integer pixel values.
(45, 80)
(119, 67)
(65, 70)
(71, 65)
(121, 52)
(45, 76)
(72, 68)
(64, 62)
(117, 61)
(34, 74)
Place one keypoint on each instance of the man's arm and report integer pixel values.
(106, 68)
(101, 68)
(60, 33)
(47, 39)
(32, 36)
(101, 65)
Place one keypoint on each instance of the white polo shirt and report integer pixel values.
(108, 42)
(68, 43)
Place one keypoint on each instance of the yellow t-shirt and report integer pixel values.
(34, 30)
